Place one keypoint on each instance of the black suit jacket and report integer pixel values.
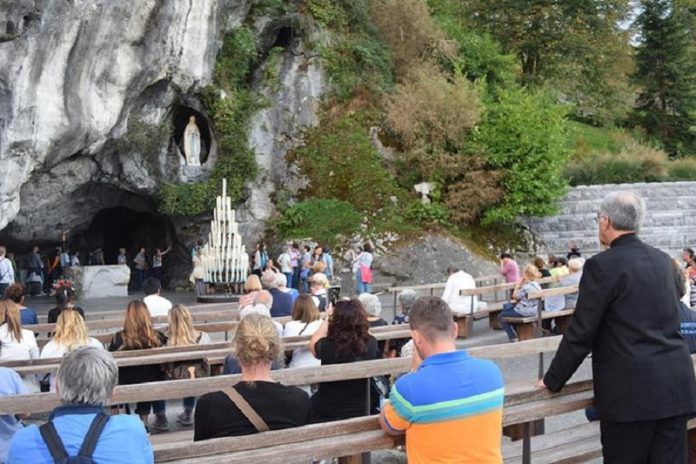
(627, 315)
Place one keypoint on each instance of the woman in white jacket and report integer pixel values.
(71, 332)
(16, 343)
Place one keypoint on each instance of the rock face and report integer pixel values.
(92, 93)
(102, 281)
(426, 261)
(669, 224)
(73, 80)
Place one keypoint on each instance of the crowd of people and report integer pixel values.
(627, 314)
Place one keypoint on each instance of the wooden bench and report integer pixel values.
(535, 326)
(214, 354)
(465, 321)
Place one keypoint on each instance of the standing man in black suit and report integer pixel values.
(627, 315)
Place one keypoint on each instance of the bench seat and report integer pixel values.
(526, 326)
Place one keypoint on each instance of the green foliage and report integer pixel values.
(357, 62)
(354, 58)
(431, 214)
(634, 163)
(237, 57)
(230, 104)
(341, 163)
(324, 220)
(666, 73)
(144, 138)
(479, 55)
(575, 47)
(523, 135)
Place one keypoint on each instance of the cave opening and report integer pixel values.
(284, 37)
(182, 116)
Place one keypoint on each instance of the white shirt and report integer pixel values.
(12, 350)
(460, 280)
(301, 357)
(284, 261)
(157, 305)
(6, 271)
(54, 349)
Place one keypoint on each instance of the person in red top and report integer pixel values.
(509, 268)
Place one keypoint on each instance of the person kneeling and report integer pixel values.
(257, 403)
(85, 382)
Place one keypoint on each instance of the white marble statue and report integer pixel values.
(425, 189)
(192, 143)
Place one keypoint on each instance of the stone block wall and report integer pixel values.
(670, 220)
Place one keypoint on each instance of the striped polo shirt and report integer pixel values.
(451, 410)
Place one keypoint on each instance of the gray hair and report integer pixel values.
(259, 309)
(269, 279)
(87, 375)
(624, 210)
(406, 298)
(263, 297)
(281, 280)
(371, 303)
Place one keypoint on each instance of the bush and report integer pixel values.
(340, 162)
(430, 109)
(320, 219)
(635, 163)
(682, 169)
(523, 136)
(431, 214)
(408, 29)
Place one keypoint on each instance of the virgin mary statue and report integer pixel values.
(192, 143)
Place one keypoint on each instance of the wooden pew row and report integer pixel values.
(113, 323)
(210, 327)
(92, 315)
(534, 326)
(191, 348)
(174, 389)
(214, 354)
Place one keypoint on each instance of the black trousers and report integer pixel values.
(646, 442)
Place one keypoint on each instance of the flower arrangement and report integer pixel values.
(63, 282)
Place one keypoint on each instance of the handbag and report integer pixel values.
(366, 274)
(246, 409)
(184, 370)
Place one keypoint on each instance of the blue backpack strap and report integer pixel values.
(95, 430)
(54, 443)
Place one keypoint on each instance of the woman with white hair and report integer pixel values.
(373, 308)
(86, 379)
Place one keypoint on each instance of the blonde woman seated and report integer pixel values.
(521, 305)
(71, 332)
(251, 287)
(182, 333)
(218, 414)
(16, 343)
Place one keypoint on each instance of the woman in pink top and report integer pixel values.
(509, 268)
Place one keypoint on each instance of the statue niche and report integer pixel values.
(191, 136)
(192, 143)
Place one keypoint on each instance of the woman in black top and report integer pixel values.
(257, 345)
(344, 339)
(138, 334)
(65, 298)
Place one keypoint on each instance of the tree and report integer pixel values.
(523, 135)
(666, 74)
(576, 47)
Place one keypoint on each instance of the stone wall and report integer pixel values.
(670, 220)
